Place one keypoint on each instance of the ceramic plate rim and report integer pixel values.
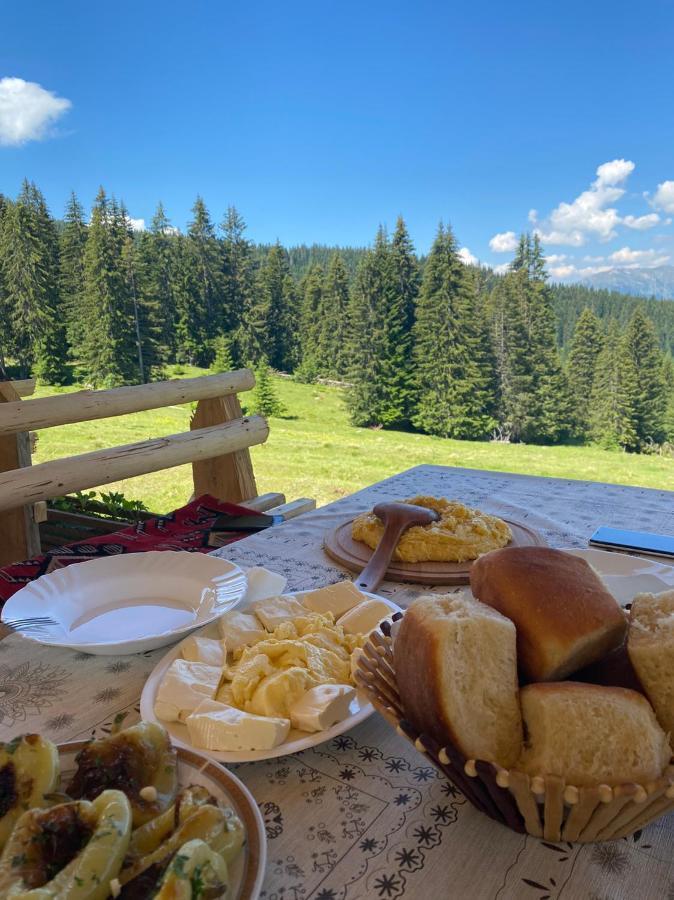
(312, 739)
(241, 798)
(633, 559)
(232, 570)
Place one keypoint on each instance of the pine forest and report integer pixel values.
(427, 344)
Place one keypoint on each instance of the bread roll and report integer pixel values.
(650, 644)
(590, 734)
(565, 617)
(456, 670)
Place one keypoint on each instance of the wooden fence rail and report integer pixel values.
(20, 487)
(85, 406)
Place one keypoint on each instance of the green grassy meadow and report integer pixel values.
(315, 452)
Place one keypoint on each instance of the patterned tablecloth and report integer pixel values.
(364, 816)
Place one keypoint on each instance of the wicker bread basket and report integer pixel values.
(543, 806)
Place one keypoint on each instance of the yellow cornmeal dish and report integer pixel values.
(460, 535)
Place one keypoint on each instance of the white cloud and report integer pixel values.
(641, 223)
(503, 242)
(501, 269)
(625, 258)
(614, 172)
(554, 258)
(664, 197)
(628, 258)
(571, 271)
(467, 257)
(136, 224)
(562, 271)
(27, 111)
(590, 214)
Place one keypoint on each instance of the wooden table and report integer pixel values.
(364, 816)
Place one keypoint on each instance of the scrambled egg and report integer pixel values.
(267, 678)
(461, 533)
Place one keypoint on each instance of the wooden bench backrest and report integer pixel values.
(216, 445)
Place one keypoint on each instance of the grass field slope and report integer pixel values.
(315, 452)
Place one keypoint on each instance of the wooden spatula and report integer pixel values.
(397, 518)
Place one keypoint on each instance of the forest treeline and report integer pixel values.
(427, 343)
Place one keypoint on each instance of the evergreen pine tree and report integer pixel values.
(190, 324)
(6, 336)
(238, 276)
(109, 351)
(406, 271)
(453, 362)
(511, 350)
(29, 253)
(551, 413)
(668, 381)
(51, 351)
(206, 259)
(534, 396)
(586, 345)
(222, 355)
(157, 260)
(144, 307)
(72, 242)
(614, 415)
(311, 323)
(265, 399)
(523, 255)
(379, 344)
(332, 357)
(271, 316)
(642, 345)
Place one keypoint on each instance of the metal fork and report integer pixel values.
(27, 624)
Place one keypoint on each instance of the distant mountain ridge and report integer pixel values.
(657, 282)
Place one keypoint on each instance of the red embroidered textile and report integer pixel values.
(186, 528)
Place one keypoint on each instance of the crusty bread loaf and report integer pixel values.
(456, 671)
(564, 615)
(650, 644)
(591, 734)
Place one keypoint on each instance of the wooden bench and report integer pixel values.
(217, 445)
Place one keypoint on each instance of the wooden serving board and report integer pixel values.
(355, 556)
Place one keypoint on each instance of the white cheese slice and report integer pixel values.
(263, 583)
(239, 629)
(322, 707)
(276, 610)
(183, 687)
(365, 617)
(204, 650)
(335, 598)
(214, 726)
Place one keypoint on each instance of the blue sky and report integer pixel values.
(321, 120)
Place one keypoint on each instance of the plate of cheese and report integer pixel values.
(271, 678)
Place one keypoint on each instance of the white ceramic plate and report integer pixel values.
(296, 740)
(247, 870)
(129, 603)
(626, 576)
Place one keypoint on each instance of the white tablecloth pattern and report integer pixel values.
(364, 816)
